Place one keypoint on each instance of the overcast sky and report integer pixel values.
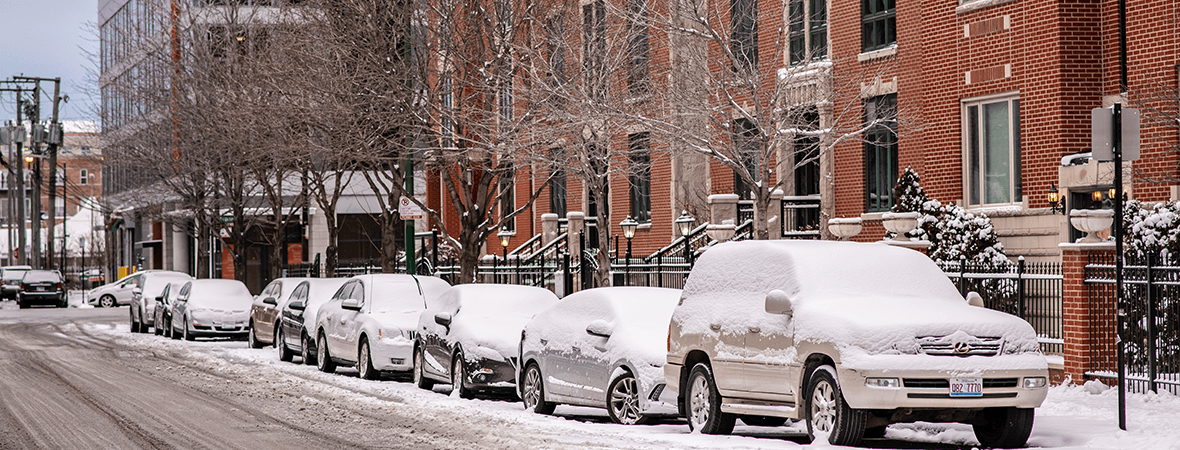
(50, 38)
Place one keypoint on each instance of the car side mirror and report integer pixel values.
(778, 302)
(974, 299)
(443, 318)
(160, 299)
(351, 304)
(270, 301)
(600, 328)
(297, 305)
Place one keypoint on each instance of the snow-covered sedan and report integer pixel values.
(370, 322)
(298, 317)
(264, 313)
(209, 308)
(114, 294)
(162, 312)
(602, 348)
(469, 337)
(143, 296)
(850, 337)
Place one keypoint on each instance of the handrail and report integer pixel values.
(523, 247)
(678, 242)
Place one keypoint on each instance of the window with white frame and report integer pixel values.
(808, 24)
(84, 177)
(991, 144)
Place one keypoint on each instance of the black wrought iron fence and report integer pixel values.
(800, 217)
(1151, 301)
(1031, 291)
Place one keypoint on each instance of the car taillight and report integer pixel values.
(58, 286)
(669, 350)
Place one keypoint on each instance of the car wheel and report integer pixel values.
(251, 338)
(532, 391)
(285, 354)
(827, 412)
(364, 362)
(1003, 427)
(168, 332)
(703, 403)
(134, 324)
(420, 379)
(159, 331)
(323, 359)
(307, 350)
(622, 401)
(172, 330)
(188, 336)
(763, 421)
(106, 301)
(458, 375)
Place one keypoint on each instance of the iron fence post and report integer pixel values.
(1020, 288)
(566, 287)
(962, 278)
(1151, 348)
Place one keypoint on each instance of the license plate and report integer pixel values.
(966, 387)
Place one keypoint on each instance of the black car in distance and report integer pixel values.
(42, 287)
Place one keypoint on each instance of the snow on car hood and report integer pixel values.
(397, 321)
(477, 335)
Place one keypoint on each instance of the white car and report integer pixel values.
(147, 287)
(211, 308)
(370, 322)
(603, 348)
(850, 337)
(114, 294)
(470, 337)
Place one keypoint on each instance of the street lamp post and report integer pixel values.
(684, 222)
(504, 236)
(628, 225)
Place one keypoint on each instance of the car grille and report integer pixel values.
(941, 346)
(943, 383)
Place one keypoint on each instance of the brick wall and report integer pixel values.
(1076, 311)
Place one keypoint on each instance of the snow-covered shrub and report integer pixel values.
(1151, 230)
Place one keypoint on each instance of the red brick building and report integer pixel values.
(994, 96)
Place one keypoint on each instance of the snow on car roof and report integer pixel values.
(497, 300)
(224, 294)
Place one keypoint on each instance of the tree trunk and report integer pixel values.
(602, 275)
(468, 259)
(203, 247)
(331, 256)
(761, 204)
(389, 249)
(276, 256)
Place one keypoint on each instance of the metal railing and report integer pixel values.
(800, 217)
(1031, 291)
(1151, 301)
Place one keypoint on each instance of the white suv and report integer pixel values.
(850, 337)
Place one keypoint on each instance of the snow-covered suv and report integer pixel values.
(850, 337)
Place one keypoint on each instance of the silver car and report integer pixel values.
(602, 348)
(211, 308)
(850, 337)
(264, 313)
(118, 293)
(147, 288)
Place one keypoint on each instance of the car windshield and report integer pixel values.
(41, 276)
(14, 274)
(505, 301)
(228, 295)
(155, 285)
(396, 297)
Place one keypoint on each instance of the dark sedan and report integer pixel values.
(301, 308)
(42, 287)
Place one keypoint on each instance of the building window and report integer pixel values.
(508, 200)
(878, 24)
(744, 40)
(640, 158)
(506, 103)
(809, 30)
(993, 151)
(746, 144)
(637, 51)
(448, 107)
(594, 46)
(83, 177)
(558, 193)
(880, 152)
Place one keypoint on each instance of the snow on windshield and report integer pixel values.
(497, 300)
(395, 295)
(154, 284)
(229, 295)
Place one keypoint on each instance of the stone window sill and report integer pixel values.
(877, 54)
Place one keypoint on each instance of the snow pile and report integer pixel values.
(486, 319)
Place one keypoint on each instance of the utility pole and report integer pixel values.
(54, 139)
(17, 157)
(35, 214)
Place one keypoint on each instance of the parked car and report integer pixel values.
(210, 308)
(264, 312)
(298, 316)
(162, 312)
(850, 337)
(118, 293)
(603, 348)
(370, 322)
(147, 288)
(469, 337)
(11, 276)
(41, 287)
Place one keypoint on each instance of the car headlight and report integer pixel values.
(883, 382)
(1035, 382)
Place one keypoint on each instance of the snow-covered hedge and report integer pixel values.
(1151, 229)
(954, 233)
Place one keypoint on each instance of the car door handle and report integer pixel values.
(715, 327)
(755, 330)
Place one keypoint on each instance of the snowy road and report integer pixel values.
(76, 378)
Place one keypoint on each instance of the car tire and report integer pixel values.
(106, 301)
(134, 324)
(307, 350)
(532, 391)
(420, 379)
(168, 332)
(458, 375)
(1003, 427)
(763, 421)
(251, 338)
(703, 403)
(285, 354)
(364, 362)
(323, 358)
(172, 330)
(188, 336)
(622, 401)
(828, 412)
(159, 331)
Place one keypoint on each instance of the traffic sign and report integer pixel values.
(409, 210)
(1101, 139)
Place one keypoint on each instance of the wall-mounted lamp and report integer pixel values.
(1054, 197)
(1096, 196)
